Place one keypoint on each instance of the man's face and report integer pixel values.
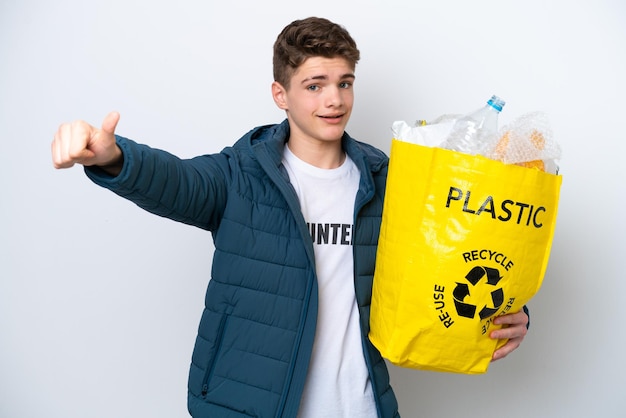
(319, 100)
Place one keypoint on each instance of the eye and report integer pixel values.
(313, 87)
(345, 85)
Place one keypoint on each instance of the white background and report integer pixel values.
(99, 301)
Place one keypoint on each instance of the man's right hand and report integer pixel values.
(80, 143)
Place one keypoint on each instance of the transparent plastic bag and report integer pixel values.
(527, 141)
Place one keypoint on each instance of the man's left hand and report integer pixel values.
(514, 329)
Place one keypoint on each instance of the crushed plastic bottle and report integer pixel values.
(474, 132)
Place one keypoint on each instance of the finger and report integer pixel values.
(60, 142)
(110, 122)
(509, 332)
(55, 149)
(77, 141)
(506, 349)
(518, 318)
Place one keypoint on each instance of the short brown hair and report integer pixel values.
(311, 37)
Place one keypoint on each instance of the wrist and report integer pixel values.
(114, 167)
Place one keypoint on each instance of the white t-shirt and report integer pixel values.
(338, 384)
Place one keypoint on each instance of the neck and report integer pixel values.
(321, 155)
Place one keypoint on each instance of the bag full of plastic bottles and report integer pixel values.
(468, 221)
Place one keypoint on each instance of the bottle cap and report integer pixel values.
(496, 102)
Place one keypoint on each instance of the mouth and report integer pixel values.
(332, 118)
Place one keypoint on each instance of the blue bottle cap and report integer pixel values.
(496, 102)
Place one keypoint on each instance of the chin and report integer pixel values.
(331, 137)
(333, 133)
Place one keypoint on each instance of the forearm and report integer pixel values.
(163, 184)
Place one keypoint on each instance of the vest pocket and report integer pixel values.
(217, 352)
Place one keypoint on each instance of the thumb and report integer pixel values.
(110, 122)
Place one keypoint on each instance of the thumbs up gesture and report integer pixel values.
(80, 143)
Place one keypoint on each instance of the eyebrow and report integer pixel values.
(346, 76)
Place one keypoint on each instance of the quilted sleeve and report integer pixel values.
(191, 191)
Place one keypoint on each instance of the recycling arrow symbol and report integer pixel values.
(462, 290)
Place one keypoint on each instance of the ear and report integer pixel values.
(279, 94)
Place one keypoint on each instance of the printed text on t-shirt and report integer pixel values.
(330, 233)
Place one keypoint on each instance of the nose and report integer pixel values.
(334, 97)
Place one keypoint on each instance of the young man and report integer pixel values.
(295, 211)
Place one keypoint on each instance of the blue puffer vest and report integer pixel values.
(256, 332)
